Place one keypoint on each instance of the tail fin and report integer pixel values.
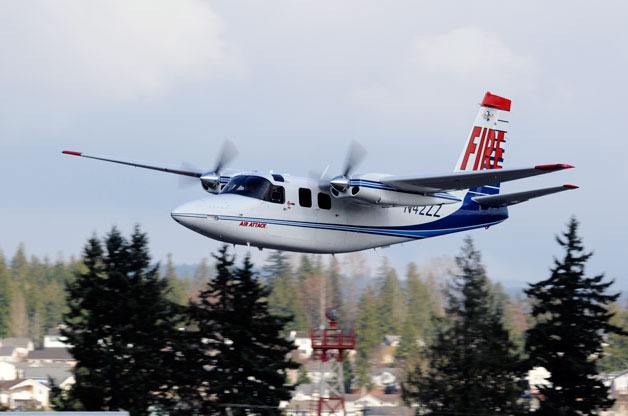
(484, 148)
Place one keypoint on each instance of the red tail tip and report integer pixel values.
(555, 166)
(495, 101)
(570, 186)
(71, 153)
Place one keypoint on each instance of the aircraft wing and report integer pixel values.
(466, 180)
(503, 200)
(191, 173)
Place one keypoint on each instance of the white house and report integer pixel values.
(9, 354)
(303, 343)
(617, 382)
(60, 373)
(22, 345)
(538, 376)
(385, 377)
(7, 371)
(55, 341)
(23, 394)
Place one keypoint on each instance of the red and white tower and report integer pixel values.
(329, 346)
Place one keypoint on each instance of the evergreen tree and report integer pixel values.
(572, 319)
(177, 291)
(369, 335)
(201, 277)
(616, 351)
(472, 365)
(118, 323)
(5, 296)
(335, 287)
(284, 300)
(239, 352)
(391, 300)
(18, 315)
(417, 327)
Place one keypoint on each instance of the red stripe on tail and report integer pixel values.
(495, 101)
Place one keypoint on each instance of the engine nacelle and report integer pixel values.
(213, 183)
(386, 197)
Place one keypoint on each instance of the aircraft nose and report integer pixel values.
(187, 213)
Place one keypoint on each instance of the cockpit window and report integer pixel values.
(255, 187)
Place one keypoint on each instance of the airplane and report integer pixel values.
(353, 212)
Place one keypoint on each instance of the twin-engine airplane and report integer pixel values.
(356, 212)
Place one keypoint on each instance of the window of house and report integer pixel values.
(324, 201)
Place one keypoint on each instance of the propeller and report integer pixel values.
(188, 181)
(228, 152)
(321, 177)
(211, 179)
(355, 156)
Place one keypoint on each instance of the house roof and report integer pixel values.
(6, 351)
(21, 342)
(391, 370)
(390, 411)
(50, 354)
(388, 398)
(613, 375)
(56, 373)
(7, 384)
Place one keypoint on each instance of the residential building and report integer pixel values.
(303, 342)
(7, 371)
(9, 354)
(18, 342)
(60, 373)
(23, 394)
(50, 355)
(55, 341)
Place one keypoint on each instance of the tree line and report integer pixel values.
(465, 344)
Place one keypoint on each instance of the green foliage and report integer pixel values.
(615, 356)
(31, 295)
(5, 299)
(177, 290)
(118, 323)
(235, 361)
(418, 328)
(368, 335)
(473, 368)
(572, 318)
(284, 296)
(391, 300)
(303, 377)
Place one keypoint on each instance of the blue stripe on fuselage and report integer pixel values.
(468, 217)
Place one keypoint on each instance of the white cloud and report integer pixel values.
(470, 53)
(463, 62)
(109, 49)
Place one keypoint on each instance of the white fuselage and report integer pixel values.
(344, 227)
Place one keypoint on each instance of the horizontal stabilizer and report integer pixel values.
(504, 200)
(466, 180)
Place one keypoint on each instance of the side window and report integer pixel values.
(277, 194)
(305, 197)
(324, 201)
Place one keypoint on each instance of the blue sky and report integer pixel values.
(291, 83)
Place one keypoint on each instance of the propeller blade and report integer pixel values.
(228, 152)
(355, 155)
(322, 178)
(187, 181)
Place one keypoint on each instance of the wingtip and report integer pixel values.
(555, 166)
(72, 153)
(570, 186)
